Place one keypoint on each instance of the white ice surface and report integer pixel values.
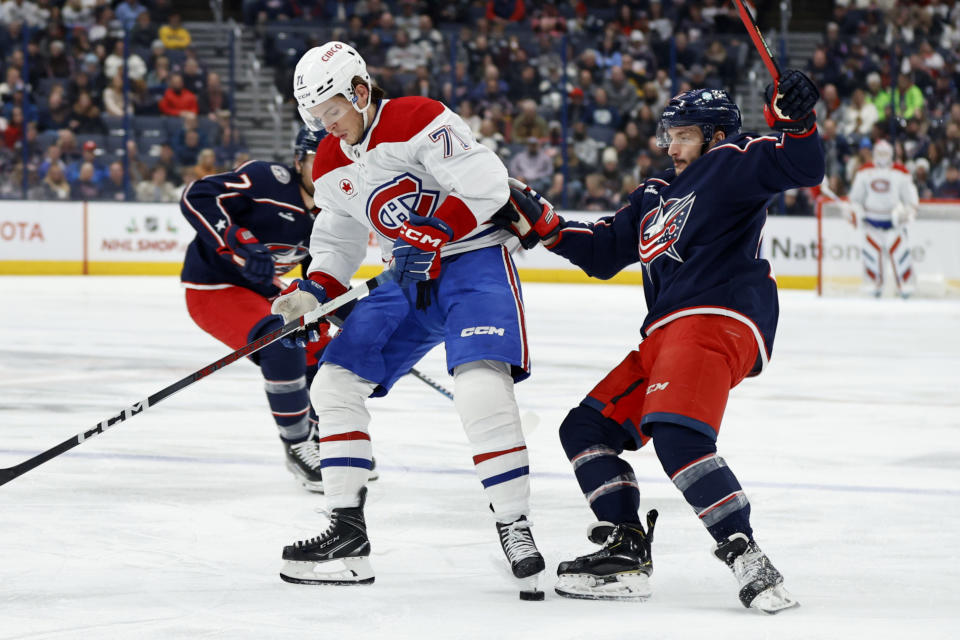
(171, 524)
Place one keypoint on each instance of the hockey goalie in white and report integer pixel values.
(884, 201)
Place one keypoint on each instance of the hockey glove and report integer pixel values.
(789, 105)
(299, 298)
(527, 215)
(316, 335)
(243, 248)
(416, 251)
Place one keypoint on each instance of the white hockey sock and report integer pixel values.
(491, 420)
(339, 399)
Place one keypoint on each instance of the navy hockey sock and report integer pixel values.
(593, 445)
(707, 483)
(285, 381)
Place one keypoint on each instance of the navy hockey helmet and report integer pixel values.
(710, 109)
(306, 142)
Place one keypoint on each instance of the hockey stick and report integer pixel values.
(761, 45)
(9, 473)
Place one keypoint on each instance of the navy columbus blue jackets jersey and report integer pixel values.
(698, 234)
(262, 196)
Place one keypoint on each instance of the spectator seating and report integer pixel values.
(601, 132)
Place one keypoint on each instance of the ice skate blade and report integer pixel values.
(313, 486)
(343, 571)
(774, 600)
(633, 587)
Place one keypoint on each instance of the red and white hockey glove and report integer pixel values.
(253, 258)
(416, 251)
(527, 215)
(789, 105)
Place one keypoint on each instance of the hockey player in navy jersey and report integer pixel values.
(410, 170)
(253, 225)
(712, 314)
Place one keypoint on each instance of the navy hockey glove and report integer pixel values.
(527, 215)
(243, 248)
(316, 335)
(416, 251)
(789, 105)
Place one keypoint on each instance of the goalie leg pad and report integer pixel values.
(901, 260)
(484, 399)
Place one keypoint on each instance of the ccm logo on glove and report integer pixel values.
(421, 239)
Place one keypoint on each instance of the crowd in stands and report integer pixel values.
(72, 123)
(885, 69)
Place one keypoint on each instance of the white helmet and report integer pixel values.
(324, 72)
(882, 154)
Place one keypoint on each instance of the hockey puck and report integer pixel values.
(531, 595)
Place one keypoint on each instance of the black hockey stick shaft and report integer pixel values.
(431, 382)
(753, 31)
(337, 322)
(9, 473)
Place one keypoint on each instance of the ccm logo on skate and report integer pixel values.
(657, 386)
(481, 331)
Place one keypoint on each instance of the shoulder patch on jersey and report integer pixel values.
(900, 167)
(329, 157)
(280, 173)
(403, 118)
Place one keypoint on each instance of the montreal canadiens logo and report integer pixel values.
(880, 185)
(661, 228)
(391, 204)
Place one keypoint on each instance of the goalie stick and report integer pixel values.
(9, 473)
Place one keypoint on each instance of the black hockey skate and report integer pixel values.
(526, 563)
(303, 461)
(619, 571)
(337, 556)
(761, 585)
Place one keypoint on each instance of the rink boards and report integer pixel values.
(114, 238)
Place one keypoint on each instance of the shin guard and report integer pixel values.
(593, 445)
(488, 410)
(706, 482)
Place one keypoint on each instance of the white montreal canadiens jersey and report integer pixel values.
(879, 190)
(415, 153)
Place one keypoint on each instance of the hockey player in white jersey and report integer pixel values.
(884, 200)
(410, 170)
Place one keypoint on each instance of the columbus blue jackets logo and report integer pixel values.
(391, 204)
(661, 228)
(286, 256)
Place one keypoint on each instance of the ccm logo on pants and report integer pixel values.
(480, 331)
